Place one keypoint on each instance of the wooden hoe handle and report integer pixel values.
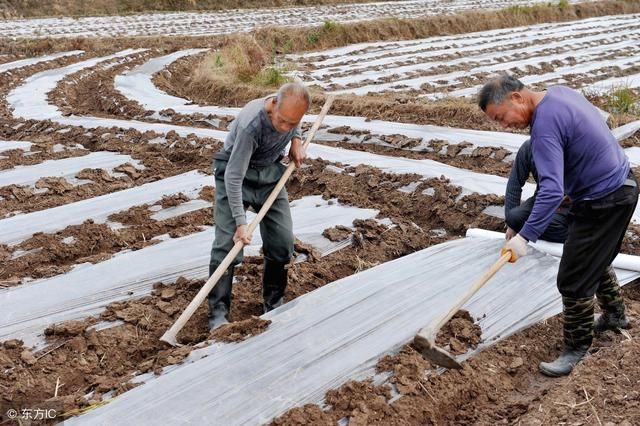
(429, 331)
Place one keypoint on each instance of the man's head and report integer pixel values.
(505, 99)
(288, 106)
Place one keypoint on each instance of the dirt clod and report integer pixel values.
(239, 331)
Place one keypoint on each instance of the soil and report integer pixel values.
(240, 330)
(459, 334)
(500, 385)
(337, 233)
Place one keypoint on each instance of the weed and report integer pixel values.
(219, 63)
(313, 37)
(622, 100)
(519, 10)
(271, 77)
(329, 26)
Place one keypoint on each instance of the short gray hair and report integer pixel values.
(497, 89)
(293, 89)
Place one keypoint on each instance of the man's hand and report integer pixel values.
(242, 235)
(296, 152)
(517, 246)
(509, 234)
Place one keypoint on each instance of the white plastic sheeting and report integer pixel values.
(622, 261)
(341, 64)
(584, 47)
(490, 58)
(11, 145)
(337, 333)
(365, 52)
(29, 101)
(555, 76)
(66, 168)
(234, 21)
(18, 228)
(631, 81)
(468, 180)
(137, 85)
(27, 309)
(32, 61)
(633, 154)
(180, 209)
(628, 130)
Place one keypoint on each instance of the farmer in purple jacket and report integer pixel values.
(575, 154)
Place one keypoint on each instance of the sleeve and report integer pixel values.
(297, 133)
(518, 177)
(242, 150)
(548, 156)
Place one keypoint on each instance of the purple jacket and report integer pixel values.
(575, 154)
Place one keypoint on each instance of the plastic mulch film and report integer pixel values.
(18, 228)
(337, 333)
(26, 310)
(32, 61)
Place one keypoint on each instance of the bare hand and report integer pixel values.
(242, 235)
(509, 234)
(297, 153)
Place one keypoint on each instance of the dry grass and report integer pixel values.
(275, 40)
(211, 87)
(329, 35)
(39, 8)
(204, 87)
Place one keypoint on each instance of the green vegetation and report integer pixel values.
(623, 100)
(271, 77)
(313, 37)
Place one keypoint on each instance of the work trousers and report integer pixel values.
(557, 230)
(596, 230)
(276, 228)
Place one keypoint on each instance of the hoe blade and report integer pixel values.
(435, 354)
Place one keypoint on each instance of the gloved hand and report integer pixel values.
(517, 246)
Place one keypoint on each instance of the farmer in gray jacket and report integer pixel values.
(246, 170)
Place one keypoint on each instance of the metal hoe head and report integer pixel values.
(433, 353)
(170, 338)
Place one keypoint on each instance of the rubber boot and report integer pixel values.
(274, 283)
(610, 300)
(220, 299)
(578, 335)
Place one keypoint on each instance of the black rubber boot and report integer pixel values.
(274, 283)
(610, 321)
(578, 335)
(220, 299)
(611, 304)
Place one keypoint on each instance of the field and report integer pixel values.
(107, 130)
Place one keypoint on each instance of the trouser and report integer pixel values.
(276, 228)
(556, 231)
(596, 231)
